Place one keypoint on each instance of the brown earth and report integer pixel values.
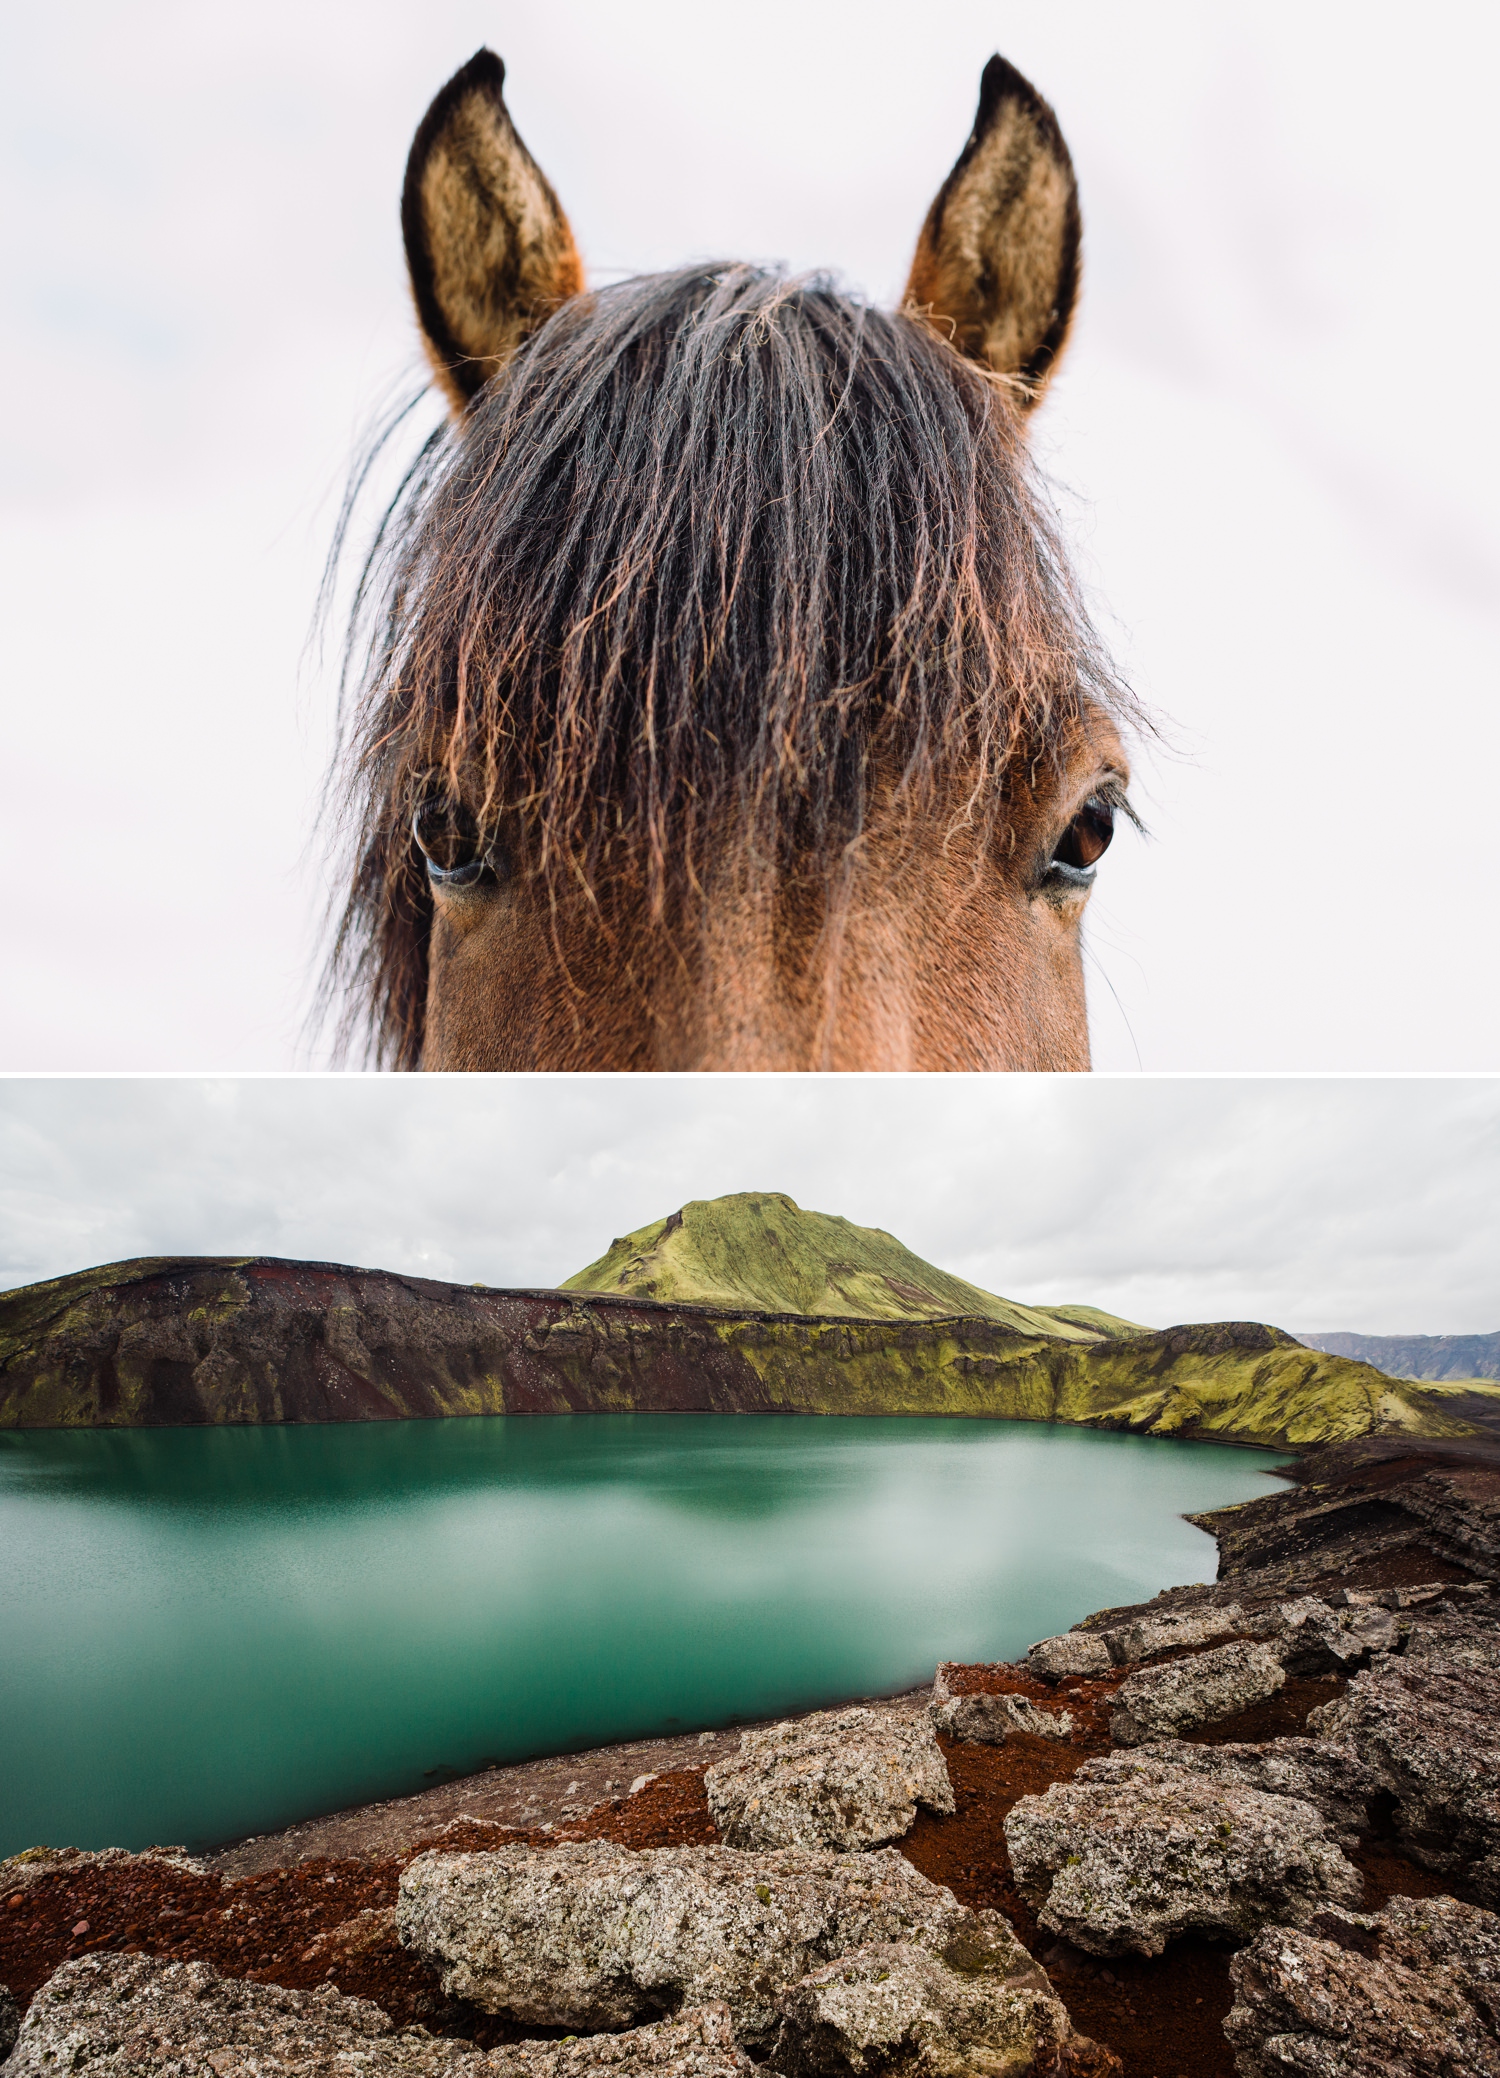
(1161, 2017)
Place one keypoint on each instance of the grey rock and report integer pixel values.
(140, 2017)
(1321, 1772)
(10, 2021)
(989, 1720)
(591, 1935)
(890, 2010)
(1413, 1992)
(1313, 1638)
(135, 2016)
(1428, 1730)
(363, 1935)
(1467, 1640)
(1152, 1634)
(840, 1778)
(1122, 1866)
(1160, 1702)
(1074, 1652)
(695, 2043)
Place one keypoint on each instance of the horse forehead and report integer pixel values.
(1099, 741)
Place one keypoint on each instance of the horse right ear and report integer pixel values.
(491, 253)
(996, 267)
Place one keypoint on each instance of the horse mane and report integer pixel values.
(716, 560)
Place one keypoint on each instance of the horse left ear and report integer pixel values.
(996, 267)
(491, 253)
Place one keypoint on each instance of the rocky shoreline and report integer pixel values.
(1247, 1828)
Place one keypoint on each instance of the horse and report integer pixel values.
(724, 697)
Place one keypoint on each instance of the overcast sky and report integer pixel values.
(1367, 1205)
(1275, 437)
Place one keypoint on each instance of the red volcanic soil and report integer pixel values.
(292, 1926)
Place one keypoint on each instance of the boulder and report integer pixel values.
(695, 2043)
(1147, 1635)
(1413, 1992)
(354, 1939)
(1310, 1637)
(840, 1778)
(591, 1935)
(891, 2010)
(989, 1720)
(10, 2021)
(1075, 1652)
(1468, 1639)
(1330, 1777)
(140, 2017)
(1120, 1867)
(135, 2016)
(1428, 1731)
(1160, 1702)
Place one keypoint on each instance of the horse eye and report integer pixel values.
(449, 842)
(1086, 839)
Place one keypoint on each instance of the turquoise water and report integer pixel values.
(206, 1633)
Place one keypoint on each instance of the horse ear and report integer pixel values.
(491, 253)
(996, 267)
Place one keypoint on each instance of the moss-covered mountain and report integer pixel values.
(760, 1250)
(188, 1340)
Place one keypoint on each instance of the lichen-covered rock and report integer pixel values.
(363, 1935)
(1074, 1652)
(1413, 1992)
(1122, 1866)
(1330, 1777)
(592, 1935)
(1468, 1638)
(902, 2012)
(695, 2043)
(10, 2021)
(1160, 1702)
(135, 2016)
(140, 2017)
(1310, 1637)
(1429, 1731)
(990, 1720)
(1147, 1635)
(840, 1778)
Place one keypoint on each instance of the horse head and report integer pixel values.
(731, 704)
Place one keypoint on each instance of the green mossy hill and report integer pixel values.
(222, 1340)
(759, 1251)
(1240, 1380)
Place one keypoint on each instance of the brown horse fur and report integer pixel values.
(490, 252)
(727, 644)
(997, 258)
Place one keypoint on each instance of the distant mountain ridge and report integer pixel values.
(1433, 1357)
(760, 1250)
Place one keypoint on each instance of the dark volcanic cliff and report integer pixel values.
(217, 1339)
(252, 1339)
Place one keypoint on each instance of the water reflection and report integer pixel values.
(211, 1632)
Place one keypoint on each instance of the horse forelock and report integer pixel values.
(721, 566)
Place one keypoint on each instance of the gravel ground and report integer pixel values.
(530, 1795)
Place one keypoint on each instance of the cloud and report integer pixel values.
(1365, 1204)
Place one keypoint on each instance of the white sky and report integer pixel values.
(1276, 433)
(1366, 1204)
